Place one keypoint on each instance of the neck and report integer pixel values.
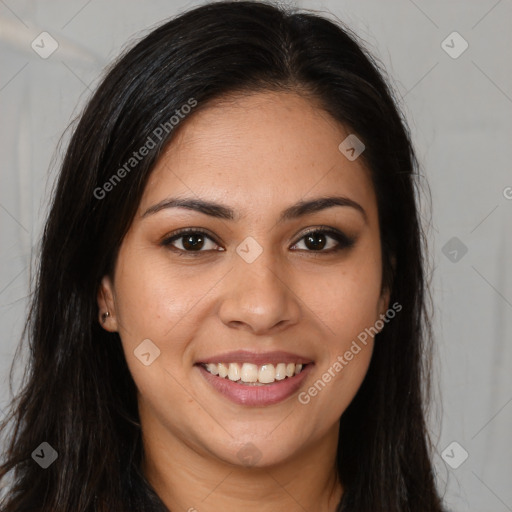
(188, 479)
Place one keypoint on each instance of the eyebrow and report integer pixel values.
(220, 211)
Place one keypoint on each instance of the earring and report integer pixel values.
(104, 316)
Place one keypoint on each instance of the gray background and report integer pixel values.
(460, 112)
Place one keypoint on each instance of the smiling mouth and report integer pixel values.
(252, 374)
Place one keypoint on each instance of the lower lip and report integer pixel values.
(267, 394)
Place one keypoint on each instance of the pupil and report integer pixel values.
(317, 241)
(193, 242)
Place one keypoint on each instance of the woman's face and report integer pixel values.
(252, 280)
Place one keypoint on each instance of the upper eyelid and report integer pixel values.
(182, 232)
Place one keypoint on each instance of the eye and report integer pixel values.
(194, 241)
(190, 241)
(317, 240)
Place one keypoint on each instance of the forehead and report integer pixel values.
(259, 151)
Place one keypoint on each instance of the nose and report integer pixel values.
(259, 297)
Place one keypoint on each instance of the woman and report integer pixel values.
(230, 309)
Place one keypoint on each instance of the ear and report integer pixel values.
(106, 305)
(383, 304)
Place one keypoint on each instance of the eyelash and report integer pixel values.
(344, 241)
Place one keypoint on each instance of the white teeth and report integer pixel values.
(267, 374)
(249, 373)
(223, 370)
(213, 368)
(281, 371)
(252, 374)
(234, 371)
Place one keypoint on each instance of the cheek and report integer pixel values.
(161, 303)
(346, 299)
(347, 347)
(152, 298)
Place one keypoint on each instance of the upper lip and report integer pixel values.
(261, 358)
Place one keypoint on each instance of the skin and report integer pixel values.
(257, 154)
